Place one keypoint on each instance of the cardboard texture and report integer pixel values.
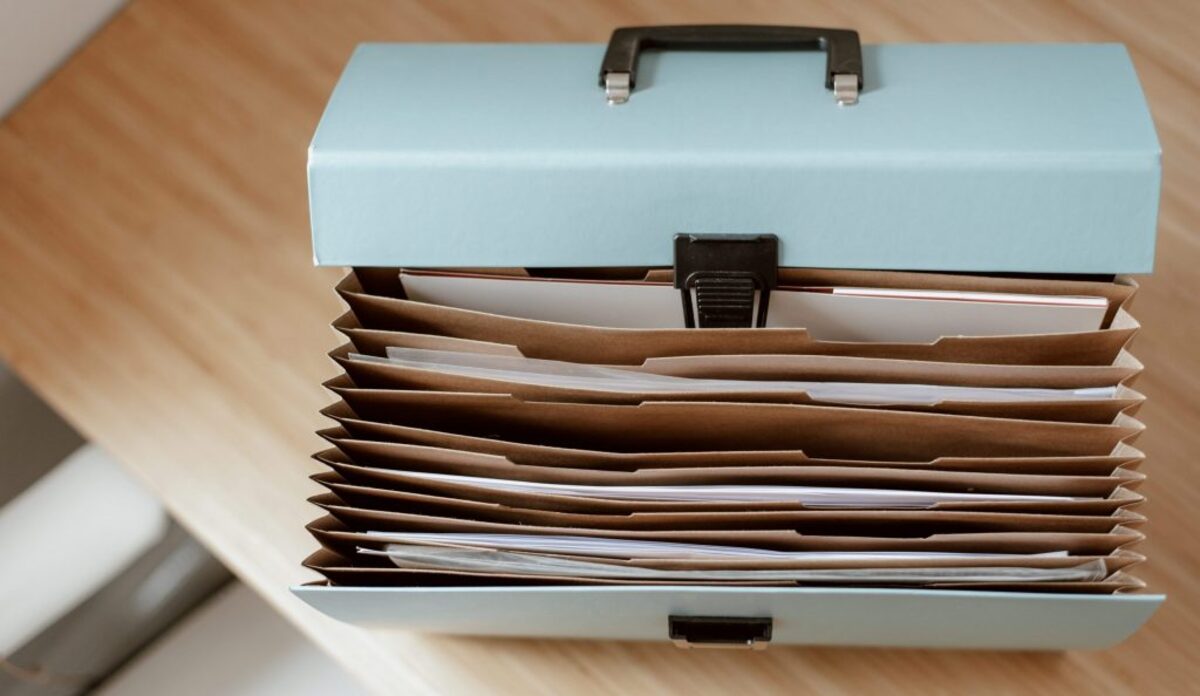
(1123, 455)
(373, 375)
(336, 537)
(398, 424)
(1102, 492)
(842, 522)
(827, 314)
(358, 458)
(395, 490)
(1013, 174)
(574, 343)
(1020, 541)
(1123, 371)
(821, 431)
(913, 617)
(345, 571)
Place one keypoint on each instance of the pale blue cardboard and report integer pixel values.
(1023, 158)
(801, 615)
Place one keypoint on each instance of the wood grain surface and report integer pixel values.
(156, 286)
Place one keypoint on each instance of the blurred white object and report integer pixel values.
(37, 36)
(67, 536)
(234, 645)
(34, 439)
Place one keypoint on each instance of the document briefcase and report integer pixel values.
(736, 335)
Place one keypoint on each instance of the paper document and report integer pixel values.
(961, 295)
(566, 375)
(829, 314)
(606, 547)
(510, 562)
(809, 496)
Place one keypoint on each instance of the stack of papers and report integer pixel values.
(808, 496)
(828, 314)
(510, 563)
(565, 375)
(885, 429)
(629, 548)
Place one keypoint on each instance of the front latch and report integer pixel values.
(726, 279)
(753, 632)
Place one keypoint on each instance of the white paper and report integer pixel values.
(809, 496)
(634, 548)
(508, 562)
(968, 296)
(566, 375)
(851, 315)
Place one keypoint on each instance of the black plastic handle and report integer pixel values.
(844, 52)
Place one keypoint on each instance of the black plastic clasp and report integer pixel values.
(726, 279)
(753, 632)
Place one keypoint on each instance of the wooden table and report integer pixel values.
(156, 287)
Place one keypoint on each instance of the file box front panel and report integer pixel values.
(800, 616)
(957, 157)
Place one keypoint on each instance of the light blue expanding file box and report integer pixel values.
(1037, 160)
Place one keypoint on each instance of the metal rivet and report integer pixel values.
(845, 89)
(616, 87)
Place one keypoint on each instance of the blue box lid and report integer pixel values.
(1005, 158)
